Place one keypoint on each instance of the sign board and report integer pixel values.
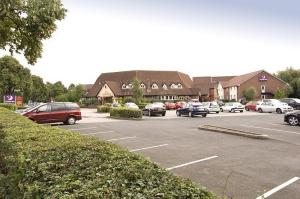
(19, 100)
(263, 78)
(10, 99)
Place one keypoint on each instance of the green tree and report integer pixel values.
(57, 89)
(292, 77)
(24, 24)
(137, 91)
(75, 93)
(14, 78)
(280, 93)
(249, 93)
(38, 90)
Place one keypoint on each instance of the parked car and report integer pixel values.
(293, 118)
(131, 105)
(179, 104)
(170, 105)
(211, 106)
(274, 106)
(160, 104)
(251, 106)
(293, 102)
(191, 109)
(154, 109)
(65, 112)
(232, 107)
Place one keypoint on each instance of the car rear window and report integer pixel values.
(72, 106)
(58, 107)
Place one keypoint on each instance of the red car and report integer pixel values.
(65, 112)
(180, 104)
(252, 105)
(170, 105)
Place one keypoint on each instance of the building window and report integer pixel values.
(263, 88)
(123, 86)
(173, 86)
(142, 86)
(179, 86)
(154, 86)
(165, 87)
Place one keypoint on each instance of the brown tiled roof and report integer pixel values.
(238, 80)
(205, 83)
(115, 80)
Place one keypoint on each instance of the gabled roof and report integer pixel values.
(205, 83)
(238, 80)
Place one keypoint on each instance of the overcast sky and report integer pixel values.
(198, 37)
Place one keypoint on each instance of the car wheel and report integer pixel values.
(241, 111)
(204, 115)
(190, 114)
(178, 114)
(164, 114)
(71, 120)
(221, 109)
(217, 112)
(247, 109)
(260, 110)
(292, 120)
(279, 111)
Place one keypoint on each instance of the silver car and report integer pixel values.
(211, 107)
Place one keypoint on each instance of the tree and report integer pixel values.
(249, 93)
(14, 78)
(38, 90)
(57, 89)
(137, 92)
(292, 77)
(280, 93)
(24, 24)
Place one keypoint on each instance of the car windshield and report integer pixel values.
(205, 103)
(297, 100)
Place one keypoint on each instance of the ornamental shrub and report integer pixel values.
(12, 107)
(125, 113)
(38, 161)
(142, 105)
(103, 109)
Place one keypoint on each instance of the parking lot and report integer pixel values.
(233, 166)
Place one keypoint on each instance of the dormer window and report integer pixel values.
(123, 86)
(173, 86)
(129, 86)
(154, 86)
(142, 86)
(179, 86)
(165, 87)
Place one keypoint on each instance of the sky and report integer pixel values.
(197, 37)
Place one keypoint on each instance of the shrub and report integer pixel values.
(125, 113)
(142, 105)
(38, 161)
(12, 107)
(103, 109)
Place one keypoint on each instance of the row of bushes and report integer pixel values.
(12, 107)
(103, 109)
(38, 161)
(122, 112)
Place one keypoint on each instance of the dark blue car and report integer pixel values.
(191, 109)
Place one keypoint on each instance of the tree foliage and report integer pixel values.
(38, 90)
(280, 93)
(249, 93)
(24, 24)
(292, 77)
(14, 78)
(137, 91)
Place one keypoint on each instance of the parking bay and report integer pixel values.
(237, 167)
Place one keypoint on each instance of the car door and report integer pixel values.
(58, 112)
(42, 114)
(185, 110)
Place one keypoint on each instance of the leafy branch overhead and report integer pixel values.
(24, 24)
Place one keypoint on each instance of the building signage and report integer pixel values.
(19, 100)
(263, 78)
(10, 99)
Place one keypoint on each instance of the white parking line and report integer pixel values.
(82, 129)
(267, 194)
(125, 138)
(278, 130)
(100, 132)
(150, 147)
(182, 165)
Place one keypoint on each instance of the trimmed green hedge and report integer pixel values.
(142, 105)
(125, 113)
(12, 107)
(103, 109)
(38, 161)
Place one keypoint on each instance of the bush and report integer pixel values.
(12, 107)
(38, 161)
(125, 113)
(142, 105)
(103, 109)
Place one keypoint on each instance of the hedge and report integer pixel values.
(142, 105)
(12, 107)
(125, 113)
(38, 161)
(103, 109)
